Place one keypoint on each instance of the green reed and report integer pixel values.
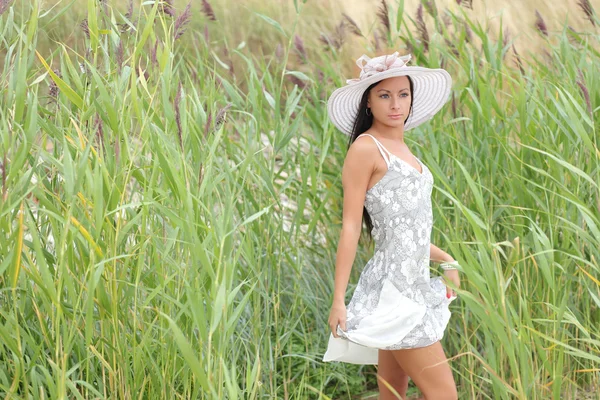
(171, 207)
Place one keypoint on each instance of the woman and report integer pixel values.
(397, 314)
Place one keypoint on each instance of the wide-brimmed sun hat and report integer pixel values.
(431, 90)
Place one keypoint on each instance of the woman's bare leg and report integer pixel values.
(389, 371)
(429, 370)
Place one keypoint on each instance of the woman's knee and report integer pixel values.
(397, 380)
(390, 371)
(429, 369)
(448, 392)
(392, 386)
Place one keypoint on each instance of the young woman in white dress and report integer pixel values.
(376, 110)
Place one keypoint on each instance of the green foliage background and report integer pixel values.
(171, 200)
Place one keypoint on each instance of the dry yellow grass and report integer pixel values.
(238, 23)
(517, 16)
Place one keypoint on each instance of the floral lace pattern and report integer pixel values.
(400, 209)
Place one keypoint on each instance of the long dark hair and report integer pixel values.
(362, 123)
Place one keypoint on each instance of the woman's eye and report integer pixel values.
(385, 96)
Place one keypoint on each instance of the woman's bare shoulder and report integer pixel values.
(362, 149)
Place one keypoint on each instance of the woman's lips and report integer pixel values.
(395, 116)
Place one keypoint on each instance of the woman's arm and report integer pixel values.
(438, 255)
(356, 173)
(345, 255)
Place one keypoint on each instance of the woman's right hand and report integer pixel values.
(337, 316)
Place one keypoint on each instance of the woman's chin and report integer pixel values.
(394, 123)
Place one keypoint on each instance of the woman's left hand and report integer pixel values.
(451, 276)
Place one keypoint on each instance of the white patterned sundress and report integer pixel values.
(395, 305)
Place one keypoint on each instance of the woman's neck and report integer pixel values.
(389, 132)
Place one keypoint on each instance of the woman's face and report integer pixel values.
(389, 101)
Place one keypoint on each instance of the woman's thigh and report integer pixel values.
(389, 370)
(429, 369)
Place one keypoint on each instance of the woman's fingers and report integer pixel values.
(450, 292)
(341, 324)
(334, 330)
(337, 317)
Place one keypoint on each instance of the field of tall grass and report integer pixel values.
(170, 197)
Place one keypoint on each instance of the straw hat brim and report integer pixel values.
(431, 90)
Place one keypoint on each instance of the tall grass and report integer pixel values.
(171, 202)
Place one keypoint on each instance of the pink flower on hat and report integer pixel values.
(378, 64)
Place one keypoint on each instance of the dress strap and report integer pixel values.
(381, 148)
